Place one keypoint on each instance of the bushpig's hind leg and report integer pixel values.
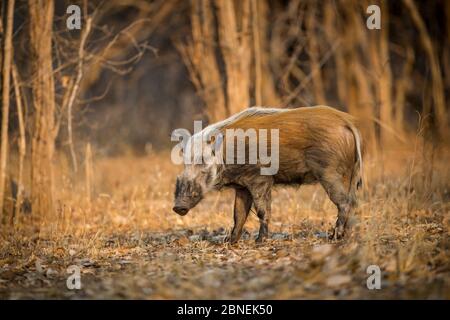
(262, 197)
(339, 195)
(242, 205)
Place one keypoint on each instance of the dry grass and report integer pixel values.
(131, 245)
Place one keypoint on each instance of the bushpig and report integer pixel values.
(316, 144)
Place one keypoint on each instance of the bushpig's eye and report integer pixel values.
(195, 194)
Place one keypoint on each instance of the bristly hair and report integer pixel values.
(218, 126)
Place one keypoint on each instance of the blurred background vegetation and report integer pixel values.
(174, 61)
(138, 69)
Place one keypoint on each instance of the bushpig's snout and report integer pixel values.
(181, 209)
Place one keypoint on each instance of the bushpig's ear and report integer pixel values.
(182, 136)
(216, 143)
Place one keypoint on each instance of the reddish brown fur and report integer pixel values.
(316, 144)
(304, 131)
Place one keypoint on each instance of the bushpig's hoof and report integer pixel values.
(260, 238)
(230, 240)
(336, 233)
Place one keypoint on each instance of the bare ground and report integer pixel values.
(129, 244)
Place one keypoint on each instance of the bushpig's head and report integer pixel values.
(190, 188)
(197, 178)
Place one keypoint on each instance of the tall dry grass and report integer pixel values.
(402, 225)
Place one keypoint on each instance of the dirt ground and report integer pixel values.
(129, 244)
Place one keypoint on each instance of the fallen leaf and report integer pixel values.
(320, 252)
(338, 280)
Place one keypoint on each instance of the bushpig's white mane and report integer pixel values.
(218, 126)
(250, 112)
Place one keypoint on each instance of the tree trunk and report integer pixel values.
(200, 58)
(257, 53)
(437, 86)
(269, 96)
(314, 53)
(385, 77)
(7, 47)
(43, 94)
(235, 45)
(22, 144)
